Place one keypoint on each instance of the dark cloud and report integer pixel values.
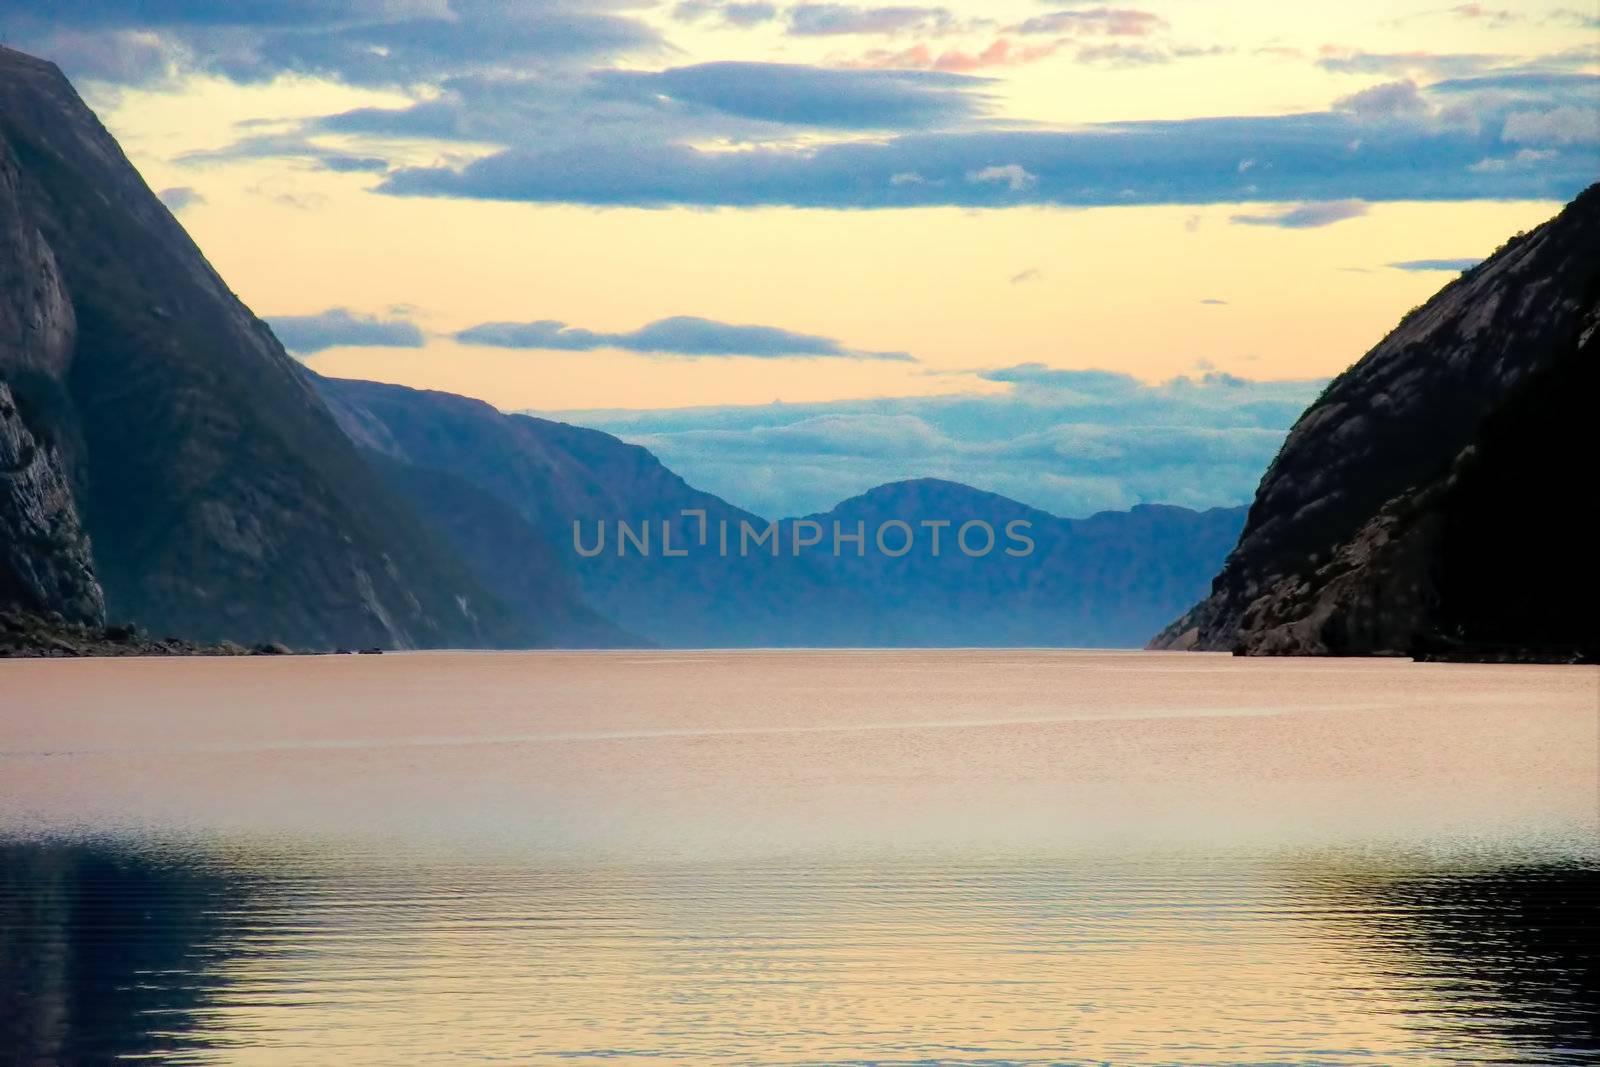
(1332, 156)
(1072, 442)
(364, 42)
(1214, 302)
(682, 335)
(1306, 216)
(1456, 265)
(337, 327)
(125, 14)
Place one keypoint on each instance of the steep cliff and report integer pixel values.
(45, 562)
(219, 495)
(1432, 500)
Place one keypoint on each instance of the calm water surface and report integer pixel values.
(797, 857)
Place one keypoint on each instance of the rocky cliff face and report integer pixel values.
(1369, 533)
(45, 562)
(221, 499)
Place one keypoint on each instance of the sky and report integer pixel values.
(1086, 254)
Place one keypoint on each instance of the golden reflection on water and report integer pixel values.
(802, 858)
(945, 959)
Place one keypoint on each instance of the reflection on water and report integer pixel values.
(801, 858)
(196, 957)
(106, 952)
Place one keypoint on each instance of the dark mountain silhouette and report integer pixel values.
(219, 496)
(1435, 500)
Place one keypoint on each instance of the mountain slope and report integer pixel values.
(220, 497)
(1371, 530)
(1095, 582)
(553, 475)
(504, 551)
(45, 560)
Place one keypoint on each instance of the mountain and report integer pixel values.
(161, 446)
(45, 559)
(1103, 581)
(1092, 582)
(1435, 500)
(552, 475)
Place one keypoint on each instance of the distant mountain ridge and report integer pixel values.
(1105, 581)
(1434, 501)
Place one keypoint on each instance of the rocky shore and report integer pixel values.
(25, 636)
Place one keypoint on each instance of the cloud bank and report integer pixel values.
(1404, 143)
(1072, 442)
(681, 335)
(336, 327)
(579, 103)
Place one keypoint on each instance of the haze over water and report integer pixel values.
(797, 857)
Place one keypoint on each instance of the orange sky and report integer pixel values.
(1154, 291)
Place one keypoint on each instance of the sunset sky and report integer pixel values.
(918, 227)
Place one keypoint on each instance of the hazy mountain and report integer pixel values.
(1085, 582)
(1103, 581)
(1436, 498)
(552, 475)
(504, 551)
(219, 497)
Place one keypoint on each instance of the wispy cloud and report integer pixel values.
(1436, 264)
(1003, 52)
(1111, 21)
(830, 20)
(727, 14)
(1424, 64)
(683, 335)
(1305, 216)
(338, 327)
(811, 96)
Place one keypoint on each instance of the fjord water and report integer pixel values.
(797, 857)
